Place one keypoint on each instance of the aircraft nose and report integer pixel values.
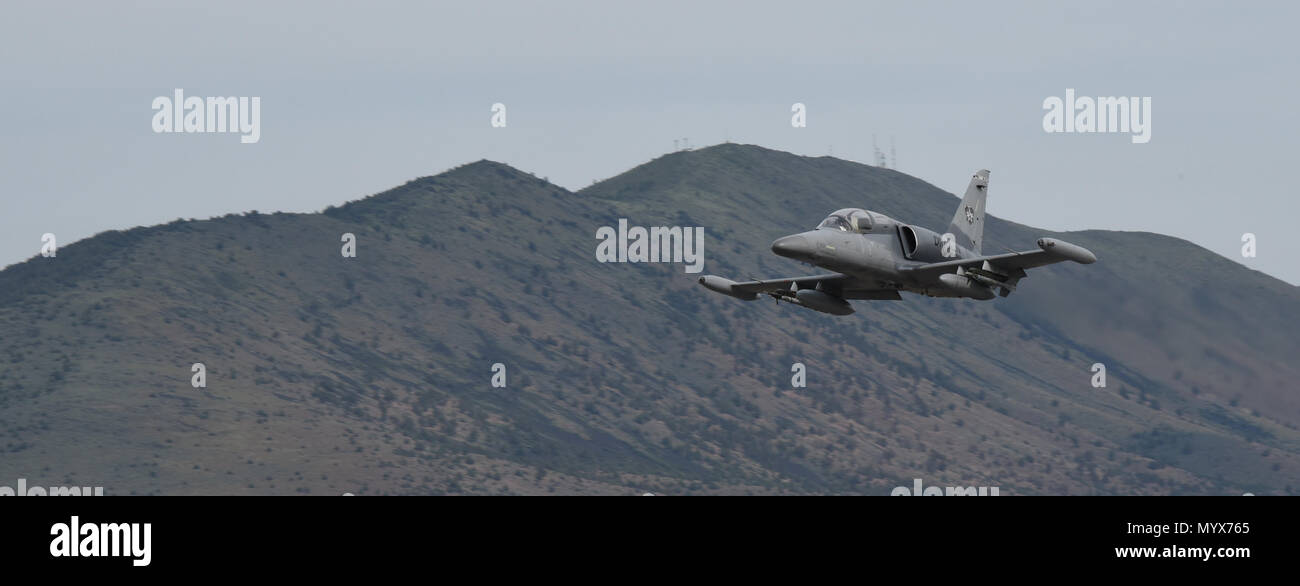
(792, 246)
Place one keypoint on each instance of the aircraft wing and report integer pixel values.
(832, 280)
(1006, 269)
(837, 284)
(1011, 260)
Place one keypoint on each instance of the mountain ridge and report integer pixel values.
(626, 378)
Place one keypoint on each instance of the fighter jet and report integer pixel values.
(874, 256)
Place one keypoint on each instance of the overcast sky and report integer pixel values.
(359, 97)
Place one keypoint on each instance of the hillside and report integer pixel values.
(371, 374)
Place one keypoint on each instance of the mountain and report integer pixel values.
(372, 375)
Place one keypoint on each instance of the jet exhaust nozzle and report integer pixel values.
(823, 302)
(724, 286)
(1067, 251)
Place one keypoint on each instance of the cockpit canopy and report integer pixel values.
(852, 220)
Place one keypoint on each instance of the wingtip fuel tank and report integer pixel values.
(724, 286)
(1067, 251)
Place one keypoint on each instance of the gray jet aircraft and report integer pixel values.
(875, 257)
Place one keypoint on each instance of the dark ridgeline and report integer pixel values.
(371, 375)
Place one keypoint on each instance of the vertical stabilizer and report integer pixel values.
(968, 223)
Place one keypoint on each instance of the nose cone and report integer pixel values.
(792, 247)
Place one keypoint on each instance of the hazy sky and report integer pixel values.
(358, 97)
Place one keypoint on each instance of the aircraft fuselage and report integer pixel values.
(874, 257)
(877, 254)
